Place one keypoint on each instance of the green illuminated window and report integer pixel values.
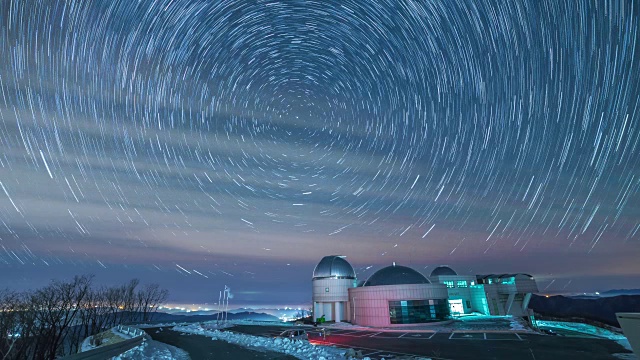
(461, 283)
(417, 311)
(326, 289)
(449, 283)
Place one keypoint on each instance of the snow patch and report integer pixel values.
(587, 329)
(301, 349)
(154, 350)
(517, 325)
(260, 323)
(222, 325)
(626, 356)
(86, 345)
(122, 335)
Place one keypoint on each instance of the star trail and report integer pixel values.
(198, 143)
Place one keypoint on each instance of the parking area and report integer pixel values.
(455, 344)
(424, 335)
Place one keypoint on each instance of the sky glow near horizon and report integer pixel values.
(204, 143)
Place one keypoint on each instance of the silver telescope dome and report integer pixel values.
(334, 266)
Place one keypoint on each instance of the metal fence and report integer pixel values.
(129, 330)
(108, 351)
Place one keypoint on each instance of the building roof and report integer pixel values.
(334, 266)
(443, 270)
(500, 276)
(396, 275)
(482, 279)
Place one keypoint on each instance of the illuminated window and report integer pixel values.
(509, 281)
(417, 311)
(449, 283)
(326, 289)
(473, 283)
(462, 283)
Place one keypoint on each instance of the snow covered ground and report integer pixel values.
(301, 349)
(261, 323)
(148, 350)
(154, 350)
(517, 324)
(167, 324)
(588, 330)
(464, 323)
(108, 337)
(471, 322)
(228, 323)
(86, 346)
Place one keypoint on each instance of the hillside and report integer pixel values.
(601, 309)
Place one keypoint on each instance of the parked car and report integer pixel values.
(296, 334)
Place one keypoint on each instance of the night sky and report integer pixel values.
(200, 143)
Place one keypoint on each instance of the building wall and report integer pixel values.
(463, 294)
(524, 284)
(370, 304)
(630, 323)
(496, 307)
(512, 294)
(503, 295)
(503, 300)
(330, 298)
(458, 291)
(479, 300)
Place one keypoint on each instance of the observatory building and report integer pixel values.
(458, 290)
(502, 294)
(398, 295)
(332, 278)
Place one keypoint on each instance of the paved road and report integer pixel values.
(457, 344)
(203, 348)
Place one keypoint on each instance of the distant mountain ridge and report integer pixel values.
(602, 309)
(608, 293)
(161, 317)
(617, 292)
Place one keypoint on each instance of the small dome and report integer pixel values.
(396, 275)
(443, 270)
(334, 266)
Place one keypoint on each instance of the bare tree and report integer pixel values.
(51, 321)
(96, 315)
(9, 322)
(56, 308)
(121, 301)
(17, 324)
(129, 300)
(113, 303)
(149, 298)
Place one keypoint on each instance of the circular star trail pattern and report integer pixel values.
(507, 123)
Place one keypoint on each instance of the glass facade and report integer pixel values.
(418, 311)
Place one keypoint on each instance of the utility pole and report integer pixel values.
(218, 314)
